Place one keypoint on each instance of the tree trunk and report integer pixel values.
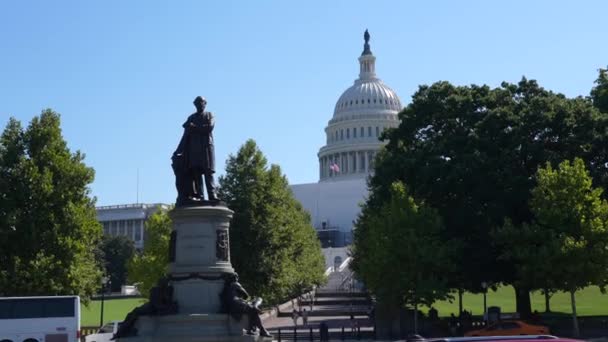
(523, 304)
(415, 316)
(547, 297)
(460, 302)
(574, 319)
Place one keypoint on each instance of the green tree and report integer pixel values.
(117, 252)
(47, 217)
(566, 204)
(274, 248)
(599, 93)
(147, 267)
(399, 254)
(472, 152)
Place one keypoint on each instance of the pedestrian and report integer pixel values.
(294, 316)
(304, 317)
(324, 331)
(353, 323)
(453, 324)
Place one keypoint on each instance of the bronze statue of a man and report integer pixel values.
(194, 157)
(234, 300)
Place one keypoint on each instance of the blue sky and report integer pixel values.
(123, 74)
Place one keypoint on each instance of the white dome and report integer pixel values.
(361, 114)
(369, 95)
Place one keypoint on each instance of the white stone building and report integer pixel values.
(362, 112)
(128, 220)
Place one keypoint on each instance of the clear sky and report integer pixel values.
(123, 74)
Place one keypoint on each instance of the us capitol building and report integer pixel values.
(362, 112)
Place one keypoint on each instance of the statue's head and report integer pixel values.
(200, 103)
(233, 278)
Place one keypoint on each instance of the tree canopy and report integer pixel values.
(599, 93)
(398, 251)
(273, 246)
(566, 245)
(117, 252)
(472, 152)
(47, 217)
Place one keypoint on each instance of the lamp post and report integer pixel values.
(484, 285)
(104, 281)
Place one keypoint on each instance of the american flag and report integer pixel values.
(334, 167)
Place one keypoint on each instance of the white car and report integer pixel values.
(104, 334)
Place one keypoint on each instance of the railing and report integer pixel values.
(128, 206)
(345, 264)
(87, 330)
(314, 334)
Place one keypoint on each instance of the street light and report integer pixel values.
(104, 281)
(484, 285)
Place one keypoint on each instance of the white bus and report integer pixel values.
(40, 319)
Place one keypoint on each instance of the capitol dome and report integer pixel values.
(367, 95)
(361, 113)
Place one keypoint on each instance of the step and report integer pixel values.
(333, 293)
(330, 312)
(337, 301)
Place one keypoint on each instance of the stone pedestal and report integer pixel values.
(202, 256)
(199, 259)
(191, 328)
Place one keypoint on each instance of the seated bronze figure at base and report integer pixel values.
(234, 300)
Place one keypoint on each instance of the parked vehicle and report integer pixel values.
(105, 333)
(509, 328)
(40, 319)
(493, 338)
(516, 339)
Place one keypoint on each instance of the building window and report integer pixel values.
(341, 134)
(362, 132)
(114, 228)
(354, 132)
(369, 131)
(374, 100)
(369, 101)
(362, 161)
(137, 230)
(377, 131)
(348, 133)
(130, 229)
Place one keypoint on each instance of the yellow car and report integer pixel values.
(509, 328)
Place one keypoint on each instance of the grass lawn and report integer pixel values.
(113, 310)
(589, 301)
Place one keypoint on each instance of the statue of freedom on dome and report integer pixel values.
(194, 158)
